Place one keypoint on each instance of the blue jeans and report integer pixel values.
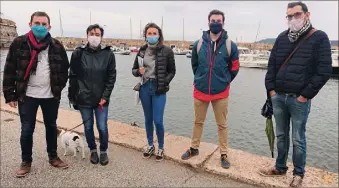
(101, 121)
(287, 108)
(153, 106)
(27, 111)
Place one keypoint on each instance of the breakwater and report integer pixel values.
(72, 42)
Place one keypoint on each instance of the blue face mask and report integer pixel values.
(215, 27)
(152, 39)
(39, 31)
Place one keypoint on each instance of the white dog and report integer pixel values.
(71, 140)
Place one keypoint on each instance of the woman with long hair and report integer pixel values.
(155, 64)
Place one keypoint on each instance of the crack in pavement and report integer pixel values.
(187, 179)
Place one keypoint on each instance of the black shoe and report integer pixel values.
(149, 152)
(94, 157)
(190, 153)
(103, 159)
(224, 161)
(297, 181)
(160, 155)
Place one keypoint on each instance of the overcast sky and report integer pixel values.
(242, 18)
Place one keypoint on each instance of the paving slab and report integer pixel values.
(245, 168)
(177, 145)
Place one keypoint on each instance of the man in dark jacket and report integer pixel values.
(215, 64)
(35, 73)
(92, 78)
(292, 86)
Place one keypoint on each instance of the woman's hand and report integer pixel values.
(142, 70)
(102, 102)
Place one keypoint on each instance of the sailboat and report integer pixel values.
(178, 51)
(62, 33)
(124, 49)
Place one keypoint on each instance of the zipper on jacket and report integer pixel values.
(210, 68)
(212, 55)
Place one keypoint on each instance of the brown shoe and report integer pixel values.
(58, 163)
(25, 168)
(297, 181)
(272, 172)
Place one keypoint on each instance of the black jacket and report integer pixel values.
(308, 69)
(92, 76)
(14, 85)
(164, 67)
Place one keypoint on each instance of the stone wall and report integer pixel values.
(7, 32)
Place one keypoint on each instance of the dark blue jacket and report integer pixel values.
(308, 69)
(213, 69)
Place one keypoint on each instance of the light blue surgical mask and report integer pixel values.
(152, 39)
(39, 31)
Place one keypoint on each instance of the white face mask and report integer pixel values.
(94, 41)
(296, 24)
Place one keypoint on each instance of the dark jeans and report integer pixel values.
(27, 112)
(285, 109)
(101, 121)
(153, 106)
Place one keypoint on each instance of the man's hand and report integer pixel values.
(272, 93)
(142, 70)
(302, 99)
(102, 102)
(12, 104)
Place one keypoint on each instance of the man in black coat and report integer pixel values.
(293, 84)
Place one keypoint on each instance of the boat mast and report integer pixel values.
(140, 31)
(130, 26)
(162, 21)
(61, 29)
(183, 29)
(256, 37)
(90, 18)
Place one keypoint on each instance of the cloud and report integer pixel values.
(242, 18)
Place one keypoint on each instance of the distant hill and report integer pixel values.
(272, 40)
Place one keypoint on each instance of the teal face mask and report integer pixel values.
(39, 31)
(152, 39)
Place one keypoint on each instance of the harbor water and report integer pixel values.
(246, 125)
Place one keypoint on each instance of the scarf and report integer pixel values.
(294, 36)
(36, 48)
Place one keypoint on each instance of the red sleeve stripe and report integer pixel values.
(235, 65)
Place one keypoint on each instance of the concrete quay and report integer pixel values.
(244, 166)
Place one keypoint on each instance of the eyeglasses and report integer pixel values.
(295, 15)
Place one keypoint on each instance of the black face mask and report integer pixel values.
(215, 27)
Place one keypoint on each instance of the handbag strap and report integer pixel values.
(298, 45)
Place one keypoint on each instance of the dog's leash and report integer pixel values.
(101, 107)
(79, 125)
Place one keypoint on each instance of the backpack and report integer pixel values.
(228, 48)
